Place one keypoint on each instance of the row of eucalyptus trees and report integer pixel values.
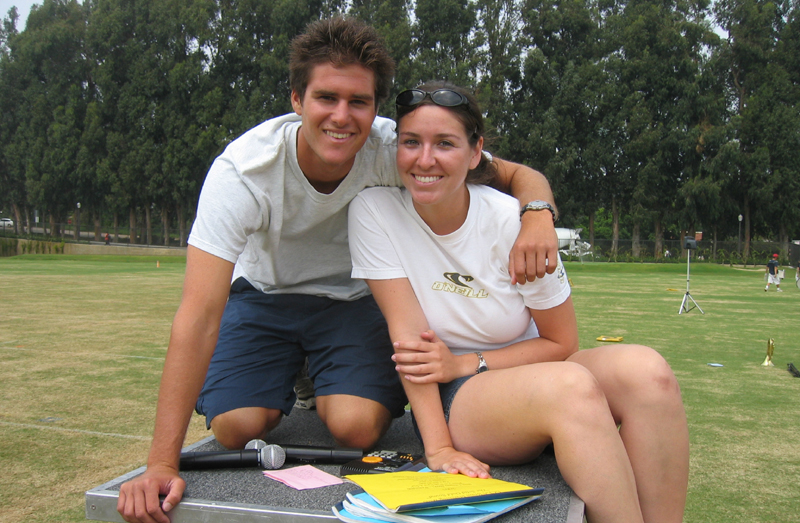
(674, 115)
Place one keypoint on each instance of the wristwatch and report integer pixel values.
(482, 367)
(538, 205)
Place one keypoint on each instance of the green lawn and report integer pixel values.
(82, 341)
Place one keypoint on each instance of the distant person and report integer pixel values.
(108, 239)
(492, 368)
(772, 274)
(268, 280)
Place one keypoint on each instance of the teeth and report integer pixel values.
(337, 135)
(427, 179)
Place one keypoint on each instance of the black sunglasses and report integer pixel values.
(442, 97)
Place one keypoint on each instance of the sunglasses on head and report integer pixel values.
(442, 97)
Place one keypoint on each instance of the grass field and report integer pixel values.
(82, 342)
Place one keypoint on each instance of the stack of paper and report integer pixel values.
(425, 497)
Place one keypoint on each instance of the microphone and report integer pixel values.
(257, 453)
(306, 454)
(268, 457)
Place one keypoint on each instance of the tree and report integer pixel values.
(391, 19)
(662, 47)
(752, 27)
(559, 108)
(442, 35)
(12, 176)
(498, 37)
(50, 75)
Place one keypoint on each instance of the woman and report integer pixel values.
(491, 367)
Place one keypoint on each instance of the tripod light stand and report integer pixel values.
(689, 244)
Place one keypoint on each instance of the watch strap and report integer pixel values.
(538, 205)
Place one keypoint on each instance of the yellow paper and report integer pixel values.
(408, 490)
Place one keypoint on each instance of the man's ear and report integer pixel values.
(297, 103)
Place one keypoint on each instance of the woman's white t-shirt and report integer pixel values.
(460, 279)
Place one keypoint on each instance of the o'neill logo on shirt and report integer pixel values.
(457, 283)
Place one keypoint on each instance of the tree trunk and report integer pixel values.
(746, 252)
(181, 225)
(659, 238)
(17, 218)
(148, 225)
(636, 246)
(714, 245)
(165, 224)
(591, 228)
(25, 225)
(116, 227)
(55, 229)
(614, 227)
(97, 235)
(784, 240)
(132, 223)
(76, 224)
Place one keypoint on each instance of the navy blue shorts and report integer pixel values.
(264, 340)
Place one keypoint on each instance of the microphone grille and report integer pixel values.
(272, 457)
(256, 444)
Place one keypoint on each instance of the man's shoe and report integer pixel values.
(793, 370)
(304, 390)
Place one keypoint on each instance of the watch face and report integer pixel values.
(537, 206)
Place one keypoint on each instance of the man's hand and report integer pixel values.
(427, 361)
(139, 498)
(536, 250)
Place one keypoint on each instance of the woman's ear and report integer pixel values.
(478, 153)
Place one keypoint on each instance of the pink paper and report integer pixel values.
(303, 477)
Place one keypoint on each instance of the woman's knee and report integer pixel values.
(572, 387)
(647, 374)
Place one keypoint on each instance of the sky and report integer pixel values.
(23, 8)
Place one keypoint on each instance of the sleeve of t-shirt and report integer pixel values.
(227, 212)
(387, 155)
(371, 250)
(547, 292)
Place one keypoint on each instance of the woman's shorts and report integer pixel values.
(447, 391)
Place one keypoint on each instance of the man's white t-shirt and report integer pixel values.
(460, 279)
(258, 210)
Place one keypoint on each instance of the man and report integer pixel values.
(772, 274)
(272, 218)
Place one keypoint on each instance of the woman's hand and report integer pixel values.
(452, 461)
(427, 361)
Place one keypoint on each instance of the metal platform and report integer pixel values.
(246, 496)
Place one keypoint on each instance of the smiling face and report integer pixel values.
(338, 109)
(433, 158)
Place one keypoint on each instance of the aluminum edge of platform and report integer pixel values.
(101, 505)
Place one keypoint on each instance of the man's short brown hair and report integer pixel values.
(340, 41)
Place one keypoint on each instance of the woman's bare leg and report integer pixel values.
(508, 416)
(645, 400)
